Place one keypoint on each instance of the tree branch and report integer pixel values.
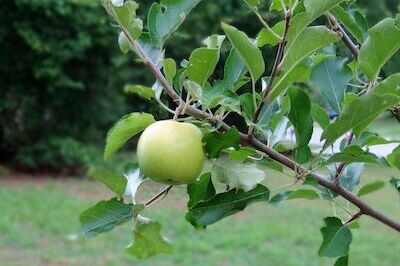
(345, 37)
(251, 141)
(355, 51)
(275, 69)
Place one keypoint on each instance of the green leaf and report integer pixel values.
(215, 142)
(300, 116)
(155, 53)
(311, 40)
(395, 183)
(382, 43)
(221, 94)
(230, 101)
(278, 133)
(193, 89)
(365, 109)
(169, 67)
(214, 41)
(148, 240)
(247, 50)
(202, 63)
(125, 15)
(353, 21)
(268, 110)
(280, 197)
(124, 129)
(226, 204)
(394, 158)
(371, 187)
(201, 190)
(104, 216)
(314, 9)
(320, 115)
(245, 176)
(165, 17)
(246, 102)
(300, 73)
(370, 139)
(303, 154)
(342, 261)
(350, 177)
(142, 91)
(179, 79)
(265, 37)
(242, 154)
(234, 68)
(331, 77)
(277, 4)
(353, 154)
(253, 3)
(123, 42)
(271, 164)
(115, 182)
(297, 194)
(337, 238)
(310, 180)
(304, 194)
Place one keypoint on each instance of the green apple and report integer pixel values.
(171, 152)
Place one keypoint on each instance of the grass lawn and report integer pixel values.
(39, 222)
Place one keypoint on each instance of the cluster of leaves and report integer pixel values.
(351, 88)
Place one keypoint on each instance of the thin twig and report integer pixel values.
(263, 22)
(164, 106)
(159, 196)
(274, 72)
(345, 37)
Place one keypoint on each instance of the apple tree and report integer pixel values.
(270, 97)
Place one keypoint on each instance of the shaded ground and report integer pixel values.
(39, 222)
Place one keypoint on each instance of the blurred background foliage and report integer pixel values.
(62, 74)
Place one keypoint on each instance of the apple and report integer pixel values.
(171, 152)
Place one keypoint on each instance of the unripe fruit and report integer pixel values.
(171, 152)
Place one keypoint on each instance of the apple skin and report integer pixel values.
(171, 152)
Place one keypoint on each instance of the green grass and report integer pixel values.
(39, 223)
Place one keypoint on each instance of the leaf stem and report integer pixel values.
(354, 217)
(164, 106)
(263, 22)
(159, 196)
